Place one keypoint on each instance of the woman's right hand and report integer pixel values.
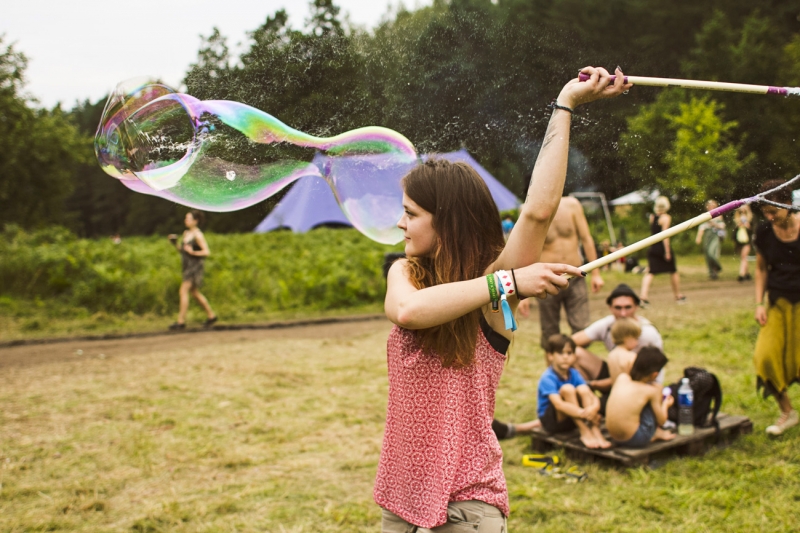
(596, 87)
(172, 237)
(540, 279)
(761, 315)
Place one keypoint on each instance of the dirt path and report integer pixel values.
(704, 298)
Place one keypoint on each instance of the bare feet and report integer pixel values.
(589, 440)
(599, 439)
(528, 427)
(662, 434)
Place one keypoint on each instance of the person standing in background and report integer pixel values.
(568, 231)
(710, 235)
(193, 249)
(777, 351)
(744, 228)
(660, 256)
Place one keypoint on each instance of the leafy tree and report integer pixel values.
(39, 150)
(685, 148)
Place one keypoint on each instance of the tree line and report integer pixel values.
(461, 73)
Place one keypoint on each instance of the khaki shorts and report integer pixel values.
(471, 516)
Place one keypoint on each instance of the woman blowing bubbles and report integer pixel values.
(441, 464)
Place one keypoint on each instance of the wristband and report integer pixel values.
(519, 296)
(555, 105)
(508, 316)
(507, 282)
(494, 294)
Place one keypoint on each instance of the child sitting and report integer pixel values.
(565, 400)
(635, 412)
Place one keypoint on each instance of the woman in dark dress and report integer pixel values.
(194, 249)
(777, 352)
(660, 258)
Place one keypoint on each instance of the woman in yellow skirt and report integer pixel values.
(777, 353)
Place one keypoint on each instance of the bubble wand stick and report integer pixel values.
(710, 85)
(689, 224)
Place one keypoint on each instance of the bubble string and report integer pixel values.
(689, 224)
(709, 85)
(220, 155)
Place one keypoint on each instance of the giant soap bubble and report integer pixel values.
(220, 155)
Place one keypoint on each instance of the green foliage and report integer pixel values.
(39, 150)
(702, 160)
(460, 73)
(257, 273)
(684, 148)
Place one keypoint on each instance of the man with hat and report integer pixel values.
(623, 302)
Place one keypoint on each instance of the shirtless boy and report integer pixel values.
(564, 400)
(635, 412)
(625, 332)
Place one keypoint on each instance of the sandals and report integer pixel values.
(210, 321)
(540, 462)
(177, 326)
(680, 300)
(546, 465)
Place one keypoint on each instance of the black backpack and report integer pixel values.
(706, 389)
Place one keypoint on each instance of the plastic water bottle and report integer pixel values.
(685, 411)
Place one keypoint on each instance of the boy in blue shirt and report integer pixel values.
(565, 400)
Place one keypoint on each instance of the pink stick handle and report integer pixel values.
(584, 77)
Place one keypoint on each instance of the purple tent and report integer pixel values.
(311, 201)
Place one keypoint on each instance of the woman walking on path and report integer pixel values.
(194, 249)
(744, 235)
(660, 257)
(441, 464)
(710, 235)
(777, 352)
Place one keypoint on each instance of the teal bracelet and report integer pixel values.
(494, 295)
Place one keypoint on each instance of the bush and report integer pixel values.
(322, 269)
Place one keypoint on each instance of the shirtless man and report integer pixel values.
(568, 230)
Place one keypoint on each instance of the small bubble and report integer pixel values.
(230, 175)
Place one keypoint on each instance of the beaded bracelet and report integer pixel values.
(555, 105)
(494, 294)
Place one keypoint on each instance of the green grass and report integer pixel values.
(282, 434)
(52, 284)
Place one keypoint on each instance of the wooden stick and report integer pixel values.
(649, 241)
(711, 85)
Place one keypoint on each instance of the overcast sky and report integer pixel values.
(79, 49)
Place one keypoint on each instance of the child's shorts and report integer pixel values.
(647, 428)
(551, 424)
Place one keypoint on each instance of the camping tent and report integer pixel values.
(311, 202)
(636, 197)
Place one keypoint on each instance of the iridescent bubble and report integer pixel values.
(220, 155)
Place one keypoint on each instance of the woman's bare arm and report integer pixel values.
(413, 308)
(665, 221)
(524, 246)
(761, 288)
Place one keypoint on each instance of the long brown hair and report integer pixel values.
(469, 237)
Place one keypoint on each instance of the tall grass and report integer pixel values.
(322, 269)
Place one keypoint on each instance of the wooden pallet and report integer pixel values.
(730, 427)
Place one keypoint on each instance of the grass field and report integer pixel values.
(281, 431)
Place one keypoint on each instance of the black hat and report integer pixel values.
(622, 290)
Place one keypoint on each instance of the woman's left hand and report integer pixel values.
(540, 279)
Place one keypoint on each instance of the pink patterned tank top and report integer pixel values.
(439, 445)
